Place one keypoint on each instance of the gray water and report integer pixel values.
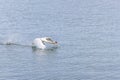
(87, 31)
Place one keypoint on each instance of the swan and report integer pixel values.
(40, 42)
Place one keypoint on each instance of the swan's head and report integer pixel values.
(48, 40)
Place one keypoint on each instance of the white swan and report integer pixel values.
(40, 42)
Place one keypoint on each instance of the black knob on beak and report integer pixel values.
(56, 42)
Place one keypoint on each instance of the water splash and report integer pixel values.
(11, 39)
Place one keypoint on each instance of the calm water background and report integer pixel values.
(88, 32)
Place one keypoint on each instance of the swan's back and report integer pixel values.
(37, 42)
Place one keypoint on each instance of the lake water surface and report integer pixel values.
(88, 32)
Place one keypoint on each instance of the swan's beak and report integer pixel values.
(54, 42)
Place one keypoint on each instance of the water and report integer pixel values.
(86, 30)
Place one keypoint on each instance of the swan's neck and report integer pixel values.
(42, 45)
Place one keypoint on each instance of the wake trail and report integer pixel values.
(17, 44)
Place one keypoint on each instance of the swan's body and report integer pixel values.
(40, 42)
